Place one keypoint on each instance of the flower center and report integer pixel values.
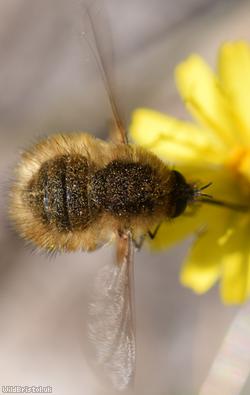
(239, 164)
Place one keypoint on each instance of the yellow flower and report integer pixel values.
(215, 148)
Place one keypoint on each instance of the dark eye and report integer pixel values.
(180, 206)
(181, 193)
(179, 179)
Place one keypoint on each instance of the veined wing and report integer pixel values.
(96, 29)
(111, 322)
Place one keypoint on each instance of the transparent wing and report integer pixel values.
(111, 323)
(99, 39)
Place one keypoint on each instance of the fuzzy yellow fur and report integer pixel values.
(101, 231)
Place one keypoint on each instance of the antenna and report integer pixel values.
(208, 199)
(215, 202)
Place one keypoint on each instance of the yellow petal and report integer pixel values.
(199, 277)
(204, 97)
(235, 283)
(234, 72)
(203, 265)
(174, 140)
(244, 167)
(235, 277)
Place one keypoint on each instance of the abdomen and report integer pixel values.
(49, 200)
(58, 193)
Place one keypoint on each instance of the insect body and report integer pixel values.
(76, 192)
(73, 191)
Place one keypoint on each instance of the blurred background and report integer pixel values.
(49, 82)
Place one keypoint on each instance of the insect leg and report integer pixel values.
(154, 233)
(138, 243)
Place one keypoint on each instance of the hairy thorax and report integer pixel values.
(128, 189)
